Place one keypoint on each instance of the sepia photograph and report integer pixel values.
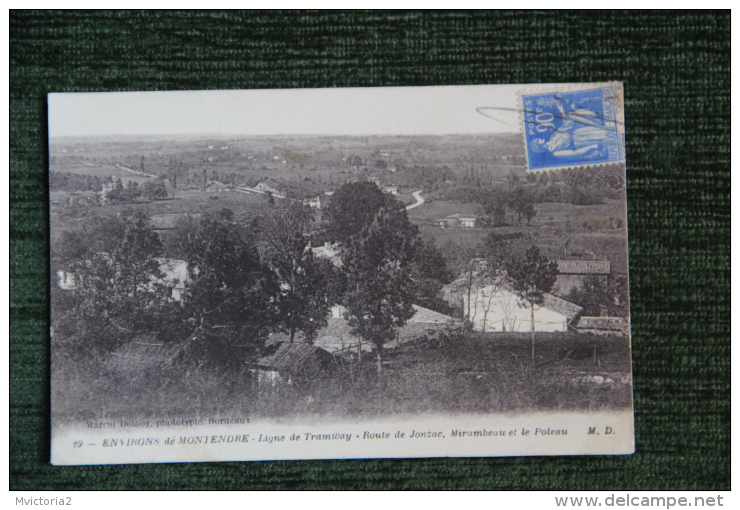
(339, 273)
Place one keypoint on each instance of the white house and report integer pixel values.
(174, 274)
(313, 203)
(458, 221)
(265, 188)
(493, 308)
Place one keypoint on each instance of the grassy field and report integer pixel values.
(585, 226)
(439, 209)
(475, 373)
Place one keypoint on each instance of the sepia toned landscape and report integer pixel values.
(332, 276)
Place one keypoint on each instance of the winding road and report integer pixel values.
(419, 200)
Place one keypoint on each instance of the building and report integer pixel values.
(103, 193)
(265, 188)
(174, 273)
(329, 251)
(458, 221)
(289, 363)
(390, 188)
(571, 273)
(602, 326)
(313, 203)
(496, 308)
(144, 352)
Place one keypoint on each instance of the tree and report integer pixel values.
(228, 288)
(429, 273)
(379, 253)
(600, 296)
(532, 277)
(495, 206)
(122, 194)
(154, 189)
(354, 206)
(175, 171)
(379, 293)
(117, 279)
(497, 255)
(269, 198)
(303, 303)
(521, 201)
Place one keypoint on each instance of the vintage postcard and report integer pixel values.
(339, 273)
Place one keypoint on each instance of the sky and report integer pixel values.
(339, 111)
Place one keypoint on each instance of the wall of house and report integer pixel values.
(499, 311)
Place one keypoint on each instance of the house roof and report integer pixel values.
(561, 306)
(462, 216)
(145, 351)
(266, 187)
(339, 329)
(603, 323)
(428, 316)
(584, 266)
(284, 356)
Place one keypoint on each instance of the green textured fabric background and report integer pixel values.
(676, 71)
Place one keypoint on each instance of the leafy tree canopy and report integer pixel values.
(379, 292)
(354, 207)
(303, 302)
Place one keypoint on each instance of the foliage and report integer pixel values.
(117, 281)
(303, 302)
(68, 181)
(429, 273)
(228, 285)
(532, 277)
(600, 296)
(377, 263)
(354, 206)
(121, 194)
(154, 189)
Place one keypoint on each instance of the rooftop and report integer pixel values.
(584, 266)
(145, 351)
(460, 216)
(602, 323)
(284, 356)
(563, 307)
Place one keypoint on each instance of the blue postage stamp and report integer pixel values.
(566, 129)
